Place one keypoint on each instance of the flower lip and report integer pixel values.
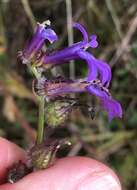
(112, 106)
(50, 35)
(45, 31)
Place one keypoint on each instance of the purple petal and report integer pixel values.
(94, 64)
(35, 44)
(105, 71)
(82, 30)
(92, 69)
(50, 35)
(64, 55)
(110, 105)
(41, 34)
(93, 43)
(75, 52)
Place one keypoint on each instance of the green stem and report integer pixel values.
(35, 72)
(40, 131)
(41, 102)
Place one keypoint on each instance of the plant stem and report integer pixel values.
(41, 103)
(40, 130)
(35, 72)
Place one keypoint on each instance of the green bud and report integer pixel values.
(57, 112)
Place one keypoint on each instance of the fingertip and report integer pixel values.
(102, 178)
(71, 173)
(89, 174)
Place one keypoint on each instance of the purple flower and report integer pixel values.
(96, 68)
(32, 51)
(59, 87)
(99, 72)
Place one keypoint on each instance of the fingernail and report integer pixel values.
(100, 182)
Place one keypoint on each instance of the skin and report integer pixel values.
(70, 173)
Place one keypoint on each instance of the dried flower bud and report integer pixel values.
(18, 171)
(43, 155)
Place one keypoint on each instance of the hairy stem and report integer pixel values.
(41, 103)
(40, 130)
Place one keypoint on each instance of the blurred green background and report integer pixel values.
(115, 23)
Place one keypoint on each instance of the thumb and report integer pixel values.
(71, 173)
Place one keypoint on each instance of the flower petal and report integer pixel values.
(92, 69)
(41, 34)
(110, 105)
(64, 55)
(50, 35)
(105, 71)
(82, 30)
(94, 64)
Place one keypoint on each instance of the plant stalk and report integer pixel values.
(41, 113)
(40, 131)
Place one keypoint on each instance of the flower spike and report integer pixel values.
(99, 73)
